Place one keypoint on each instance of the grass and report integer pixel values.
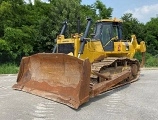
(150, 60)
(9, 68)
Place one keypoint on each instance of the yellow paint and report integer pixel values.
(93, 49)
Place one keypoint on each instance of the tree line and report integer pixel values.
(27, 28)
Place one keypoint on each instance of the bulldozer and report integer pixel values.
(82, 67)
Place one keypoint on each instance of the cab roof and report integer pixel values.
(110, 20)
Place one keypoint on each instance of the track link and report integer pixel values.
(113, 68)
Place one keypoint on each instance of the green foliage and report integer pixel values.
(138, 56)
(147, 32)
(18, 40)
(132, 26)
(8, 68)
(150, 60)
(151, 37)
(26, 29)
(3, 45)
(103, 11)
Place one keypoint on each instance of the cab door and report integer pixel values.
(106, 36)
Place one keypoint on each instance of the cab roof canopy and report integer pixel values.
(110, 20)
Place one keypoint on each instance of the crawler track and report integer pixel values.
(113, 72)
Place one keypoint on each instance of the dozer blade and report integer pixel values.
(58, 77)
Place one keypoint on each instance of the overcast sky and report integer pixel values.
(143, 10)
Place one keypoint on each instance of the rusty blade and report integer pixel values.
(58, 77)
(107, 85)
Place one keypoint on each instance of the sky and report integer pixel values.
(143, 10)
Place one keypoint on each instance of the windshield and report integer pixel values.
(107, 33)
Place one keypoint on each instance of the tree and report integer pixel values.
(151, 38)
(16, 32)
(132, 26)
(27, 28)
(104, 12)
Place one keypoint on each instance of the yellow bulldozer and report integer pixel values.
(80, 67)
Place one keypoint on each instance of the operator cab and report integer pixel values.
(108, 31)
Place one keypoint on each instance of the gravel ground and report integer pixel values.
(136, 101)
